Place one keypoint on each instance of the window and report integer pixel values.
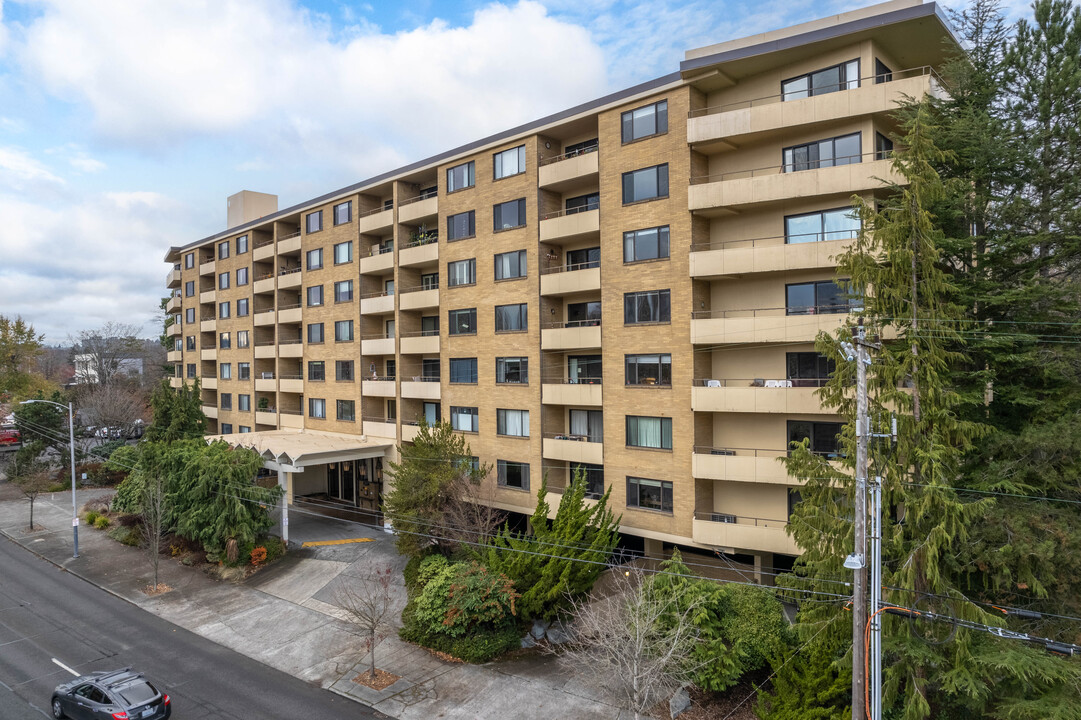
(818, 298)
(225, 371)
(343, 253)
(509, 162)
(844, 150)
(584, 313)
(512, 422)
(317, 371)
(648, 369)
(463, 370)
(189, 315)
(645, 184)
(191, 370)
(825, 436)
(808, 369)
(388, 329)
(315, 295)
(837, 224)
(243, 403)
(343, 370)
(461, 176)
(243, 371)
(588, 424)
(582, 203)
(226, 428)
(315, 259)
(883, 147)
(343, 331)
(226, 401)
(464, 419)
(649, 494)
(648, 244)
(462, 225)
(242, 307)
(343, 291)
(317, 407)
(223, 310)
(315, 332)
(241, 276)
(242, 245)
(845, 76)
(511, 318)
(313, 222)
(429, 368)
(392, 409)
(509, 215)
(189, 261)
(584, 258)
(224, 341)
(245, 428)
(343, 212)
(512, 474)
(223, 250)
(652, 306)
(512, 370)
(431, 412)
(462, 322)
(223, 281)
(189, 288)
(347, 410)
(388, 287)
(510, 265)
(429, 281)
(645, 121)
(429, 325)
(584, 369)
(649, 432)
(189, 342)
(462, 272)
(883, 74)
(242, 340)
(178, 344)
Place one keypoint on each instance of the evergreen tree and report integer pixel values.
(178, 413)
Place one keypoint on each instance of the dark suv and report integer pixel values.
(116, 695)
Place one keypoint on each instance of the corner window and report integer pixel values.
(509, 162)
(462, 272)
(347, 410)
(649, 432)
(223, 281)
(189, 288)
(652, 306)
(464, 419)
(514, 423)
(837, 224)
(343, 252)
(315, 259)
(315, 296)
(845, 76)
(648, 369)
(649, 494)
(343, 212)
(645, 184)
(343, 331)
(189, 261)
(511, 318)
(242, 245)
(313, 222)
(317, 408)
(843, 150)
(512, 370)
(461, 176)
(510, 265)
(645, 121)
(461, 226)
(462, 322)
(512, 474)
(463, 370)
(509, 215)
(648, 244)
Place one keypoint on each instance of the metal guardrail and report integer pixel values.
(569, 211)
(776, 312)
(759, 382)
(568, 155)
(588, 265)
(776, 241)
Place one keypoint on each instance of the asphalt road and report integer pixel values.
(47, 613)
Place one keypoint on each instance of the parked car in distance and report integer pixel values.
(110, 695)
(10, 439)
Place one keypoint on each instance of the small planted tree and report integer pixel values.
(31, 484)
(371, 602)
(155, 509)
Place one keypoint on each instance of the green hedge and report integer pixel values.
(480, 646)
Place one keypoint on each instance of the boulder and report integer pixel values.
(679, 702)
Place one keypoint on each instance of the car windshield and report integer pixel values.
(137, 693)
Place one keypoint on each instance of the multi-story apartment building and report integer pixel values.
(632, 285)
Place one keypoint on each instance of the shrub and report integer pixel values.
(275, 548)
(99, 504)
(101, 522)
(129, 494)
(125, 535)
(478, 647)
(258, 556)
(91, 517)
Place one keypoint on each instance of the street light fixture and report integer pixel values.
(71, 437)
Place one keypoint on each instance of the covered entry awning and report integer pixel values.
(292, 450)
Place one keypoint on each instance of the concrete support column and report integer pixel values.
(285, 505)
(654, 548)
(763, 568)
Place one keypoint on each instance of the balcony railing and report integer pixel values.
(289, 270)
(570, 211)
(263, 243)
(378, 419)
(564, 380)
(572, 436)
(775, 241)
(377, 336)
(389, 205)
(568, 155)
(778, 311)
(571, 324)
(718, 517)
(381, 250)
(380, 293)
(418, 288)
(424, 378)
(760, 452)
(760, 382)
(425, 238)
(782, 169)
(424, 195)
(290, 236)
(571, 267)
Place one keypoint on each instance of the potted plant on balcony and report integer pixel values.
(264, 403)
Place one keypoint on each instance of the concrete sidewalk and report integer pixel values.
(285, 617)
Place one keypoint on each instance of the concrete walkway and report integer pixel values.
(285, 616)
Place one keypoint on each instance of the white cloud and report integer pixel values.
(77, 158)
(19, 170)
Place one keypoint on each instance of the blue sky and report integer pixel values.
(125, 125)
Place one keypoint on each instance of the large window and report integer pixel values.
(512, 370)
(509, 162)
(645, 184)
(315, 295)
(343, 370)
(242, 340)
(511, 318)
(510, 265)
(594, 477)
(649, 432)
(189, 288)
(512, 474)
(317, 371)
(242, 307)
(836, 224)
(243, 403)
(462, 322)
(584, 313)
(464, 419)
(223, 281)
(429, 325)
(582, 203)
(242, 245)
(845, 76)
(462, 272)
(649, 494)
(461, 176)
(313, 222)
(315, 259)
(648, 244)
(343, 291)
(347, 410)
(189, 315)
(242, 276)
(190, 342)
(652, 306)
(343, 212)
(584, 258)
(512, 422)
(315, 333)
(648, 369)
(818, 298)
(223, 250)
(343, 331)
(317, 407)
(226, 401)
(462, 225)
(588, 424)
(343, 252)
(585, 369)
(843, 150)
(223, 310)
(243, 370)
(225, 371)
(825, 436)
(509, 215)
(224, 341)
(808, 369)
(189, 261)
(645, 121)
(463, 370)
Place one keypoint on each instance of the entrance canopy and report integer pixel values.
(293, 450)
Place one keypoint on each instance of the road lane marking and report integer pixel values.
(321, 543)
(65, 667)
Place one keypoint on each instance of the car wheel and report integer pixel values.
(58, 712)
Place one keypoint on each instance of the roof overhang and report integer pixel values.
(293, 450)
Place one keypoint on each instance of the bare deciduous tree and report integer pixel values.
(31, 481)
(636, 644)
(154, 512)
(115, 405)
(470, 515)
(106, 351)
(371, 602)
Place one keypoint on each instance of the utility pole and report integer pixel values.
(858, 562)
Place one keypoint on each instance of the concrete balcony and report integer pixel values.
(172, 279)
(176, 382)
(266, 417)
(377, 346)
(290, 385)
(208, 383)
(263, 252)
(565, 172)
(380, 304)
(209, 354)
(263, 285)
(293, 420)
(266, 384)
(289, 243)
(290, 314)
(293, 349)
(743, 534)
(414, 210)
(173, 306)
(418, 389)
(569, 280)
(418, 299)
(420, 345)
(208, 325)
(289, 279)
(174, 330)
(761, 326)
(741, 465)
(571, 394)
(377, 264)
(268, 350)
(211, 411)
(380, 428)
(580, 337)
(561, 228)
(377, 388)
(714, 195)
(409, 432)
(207, 296)
(743, 396)
(561, 447)
(266, 317)
(375, 221)
(206, 268)
(419, 255)
(174, 356)
(740, 257)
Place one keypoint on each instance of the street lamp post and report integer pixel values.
(71, 438)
